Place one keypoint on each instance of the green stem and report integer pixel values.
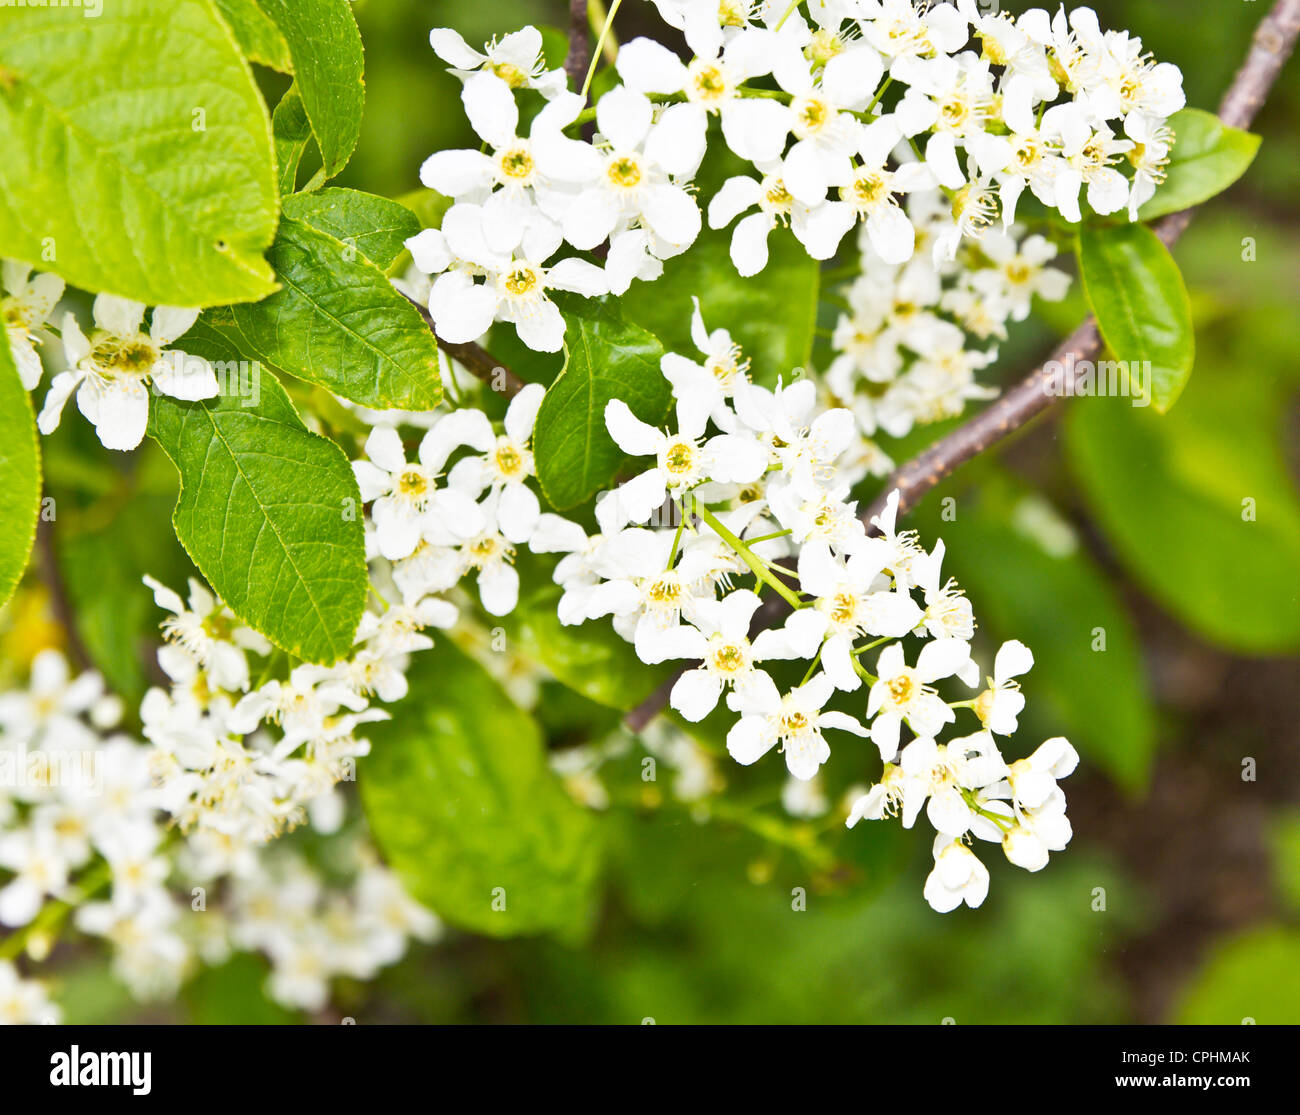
(788, 13)
(677, 538)
(600, 45)
(756, 564)
(879, 93)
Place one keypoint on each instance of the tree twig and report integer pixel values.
(579, 56)
(477, 360)
(1272, 44)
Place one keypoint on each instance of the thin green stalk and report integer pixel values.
(788, 13)
(600, 45)
(756, 564)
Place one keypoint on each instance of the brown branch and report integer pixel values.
(1273, 42)
(477, 360)
(579, 57)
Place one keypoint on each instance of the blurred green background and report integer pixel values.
(1179, 899)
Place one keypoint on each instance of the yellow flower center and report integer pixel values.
(708, 83)
(412, 483)
(511, 74)
(811, 116)
(793, 723)
(510, 461)
(729, 658)
(516, 164)
(624, 172)
(680, 458)
(901, 688)
(520, 281)
(133, 356)
(869, 190)
(666, 591)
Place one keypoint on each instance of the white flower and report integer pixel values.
(407, 499)
(776, 206)
(112, 370)
(523, 182)
(490, 556)
(1019, 273)
(515, 286)
(1000, 704)
(804, 799)
(947, 611)
(1033, 780)
(806, 447)
(826, 136)
(884, 799)
(631, 186)
(869, 196)
(727, 657)
(1037, 833)
(39, 869)
(933, 777)
(903, 693)
(1089, 159)
(27, 306)
(957, 877)
(646, 597)
(23, 1002)
(506, 467)
(1143, 86)
(753, 127)
(898, 29)
(51, 706)
(515, 60)
(710, 382)
(210, 633)
(681, 462)
(795, 721)
(1152, 143)
(856, 600)
(150, 957)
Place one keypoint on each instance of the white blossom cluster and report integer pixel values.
(841, 110)
(432, 534)
(758, 481)
(85, 824)
(908, 349)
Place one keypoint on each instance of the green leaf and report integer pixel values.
(137, 152)
(607, 358)
(463, 806)
(20, 474)
(1200, 505)
(772, 315)
(234, 994)
(268, 512)
(1207, 158)
(1137, 293)
(258, 37)
(1255, 975)
(374, 226)
(337, 322)
(290, 130)
(1029, 578)
(328, 63)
